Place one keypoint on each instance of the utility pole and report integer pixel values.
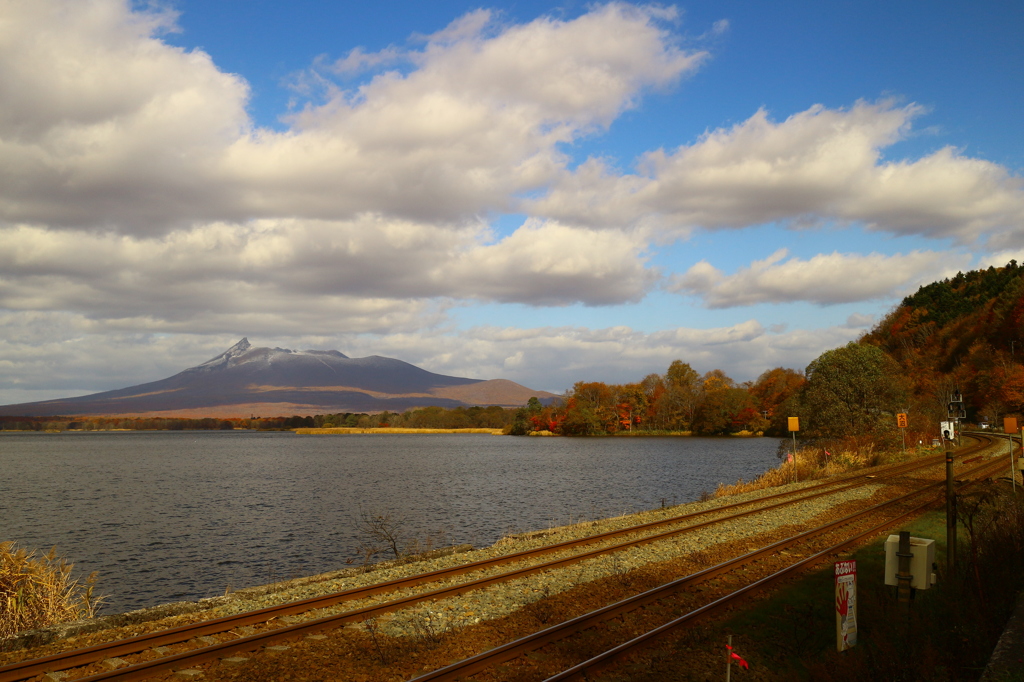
(903, 577)
(1010, 428)
(950, 512)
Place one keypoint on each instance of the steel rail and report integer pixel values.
(541, 638)
(81, 657)
(607, 658)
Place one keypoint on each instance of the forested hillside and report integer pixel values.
(964, 333)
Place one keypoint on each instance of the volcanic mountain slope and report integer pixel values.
(245, 380)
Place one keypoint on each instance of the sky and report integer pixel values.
(547, 193)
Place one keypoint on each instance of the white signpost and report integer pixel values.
(846, 604)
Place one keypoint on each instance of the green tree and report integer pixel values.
(720, 399)
(580, 420)
(521, 425)
(850, 390)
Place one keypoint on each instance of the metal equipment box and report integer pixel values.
(923, 550)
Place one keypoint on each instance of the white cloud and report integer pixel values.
(1001, 258)
(214, 274)
(54, 355)
(553, 264)
(102, 125)
(554, 358)
(358, 60)
(817, 165)
(859, 321)
(372, 274)
(824, 279)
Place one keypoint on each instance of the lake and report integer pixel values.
(167, 516)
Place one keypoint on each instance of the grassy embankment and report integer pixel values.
(36, 591)
(816, 463)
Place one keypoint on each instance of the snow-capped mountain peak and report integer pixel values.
(225, 358)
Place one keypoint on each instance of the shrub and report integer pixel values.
(36, 591)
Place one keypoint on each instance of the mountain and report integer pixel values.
(245, 380)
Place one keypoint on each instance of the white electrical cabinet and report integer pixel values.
(923, 550)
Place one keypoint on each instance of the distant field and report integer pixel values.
(345, 430)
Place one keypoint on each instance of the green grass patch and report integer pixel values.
(950, 629)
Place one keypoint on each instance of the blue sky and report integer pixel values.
(539, 192)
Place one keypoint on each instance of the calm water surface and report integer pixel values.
(165, 516)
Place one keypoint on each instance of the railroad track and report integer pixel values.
(586, 669)
(135, 646)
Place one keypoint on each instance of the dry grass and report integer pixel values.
(36, 591)
(388, 429)
(811, 463)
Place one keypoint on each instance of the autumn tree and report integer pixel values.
(775, 393)
(630, 405)
(653, 386)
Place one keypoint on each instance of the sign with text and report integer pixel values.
(901, 420)
(846, 604)
(794, 423)
(1009, 425)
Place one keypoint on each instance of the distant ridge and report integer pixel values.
(244, 380)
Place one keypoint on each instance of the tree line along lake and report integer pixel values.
(169, 516)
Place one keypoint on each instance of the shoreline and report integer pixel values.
(258, 596)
